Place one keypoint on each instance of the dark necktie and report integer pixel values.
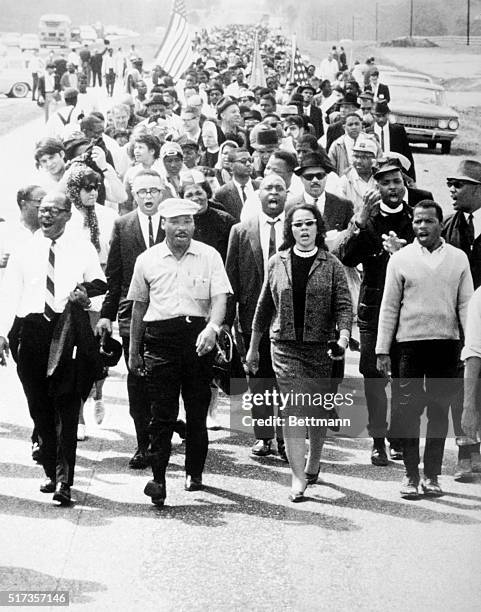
(272, 238)
(48, 311)
(151, 233)
(470, 230)
(244, 196)
(382, 140)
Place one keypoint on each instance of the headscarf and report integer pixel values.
(79, 175)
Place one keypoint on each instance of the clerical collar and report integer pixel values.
(386, 210)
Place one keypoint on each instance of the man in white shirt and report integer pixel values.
(36, 66)
(359, 179)
(329, 68)
(42, 277)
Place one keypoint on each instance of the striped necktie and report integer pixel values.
(151, 233)
(48, 311)
(272, 238)
(244, 195)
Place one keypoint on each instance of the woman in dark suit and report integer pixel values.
(304, 299)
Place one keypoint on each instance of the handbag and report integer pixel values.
(228, 366)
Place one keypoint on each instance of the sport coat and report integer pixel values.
(315, 117)
(399, 144)
(337, 212)
(455, 232)
(416, 195)
(245, 269)
(230, 199)
(127, 243)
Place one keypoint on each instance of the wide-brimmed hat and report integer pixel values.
(381, 108)
(155, 98)
(314, 160)
(468, 170)
(350, 98)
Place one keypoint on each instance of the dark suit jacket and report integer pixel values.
(400, 144)
(455, 233)
(230, 199)
(334, 131)
(416, 195)
(337, 212)
(383, 92)
(127, 243)
(245, 269)
(315, 117)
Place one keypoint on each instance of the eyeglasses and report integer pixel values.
(458, 184)
(318, 175)
(306, 222)
(245, 162)
(53, 211)
(142, 193)
(91, 187)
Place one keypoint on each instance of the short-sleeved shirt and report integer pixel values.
(178, 287)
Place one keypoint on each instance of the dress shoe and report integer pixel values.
(430, 487)
(139, 461)
(463, 471)
(62, 494)
(296, 497)
(378, 455)
(156, 491)
(262, 448)
(311, 479)
(99, 411)
(476, 462)
(81, 433)
(179, 428)
(193, 483)
(409, 487)
(36, 452)
(395, 454)
(212, 424)
(281, 451)
(47, 486)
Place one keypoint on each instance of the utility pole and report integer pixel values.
(377, 20)
(353, 26)
(411, 21)
(468, 16)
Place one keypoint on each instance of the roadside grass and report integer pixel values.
(15, 113)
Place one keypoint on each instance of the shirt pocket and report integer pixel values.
(201, 288)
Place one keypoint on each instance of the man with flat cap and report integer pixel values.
(384, 214)
(348, 104)
(463, 230)
(392, 136)
(179, 292)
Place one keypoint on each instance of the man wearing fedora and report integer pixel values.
(313, 112)
(230, 119)
(348, 104)
(463, 230)
(392, 136)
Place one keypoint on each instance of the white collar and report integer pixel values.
(426, 251)
(265, 219)
(386, 210)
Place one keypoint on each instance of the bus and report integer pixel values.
(54, 31)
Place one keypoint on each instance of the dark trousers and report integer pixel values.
(110, 83)
(375, 388)
(34, 84)
(427, 372)
(55, 417)
(264, 379)
(96, 74)
(174, 367)
(139, 405)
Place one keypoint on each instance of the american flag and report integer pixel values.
(258, 77)
(175, 53)
(298, 68)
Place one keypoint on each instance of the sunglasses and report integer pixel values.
(53, 211)
(318, 175)
(458, 184)
(307, 223)
(144, 192)
(91, 187)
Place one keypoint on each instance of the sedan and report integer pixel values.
(14, 77)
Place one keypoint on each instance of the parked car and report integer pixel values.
(422, 109)
(14, 77)
(11, 39)
(29, 42)
(88, 35)
(394, 76)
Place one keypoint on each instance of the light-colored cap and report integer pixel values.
(169, 149)
(175, 207)
(365, 145)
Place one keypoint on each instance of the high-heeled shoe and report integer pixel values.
(311, 479)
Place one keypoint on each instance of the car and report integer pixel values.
(392, 76)
(11, 39)
(88, 35)
(29, 42)
(14, 77)
(423, 111)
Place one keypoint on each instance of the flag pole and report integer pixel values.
(293, 56)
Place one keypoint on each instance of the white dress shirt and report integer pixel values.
(387, 139)
(476, 221)
(265, 233)
(105, 220)
(248, 188)
(24, 286)
(144, 225)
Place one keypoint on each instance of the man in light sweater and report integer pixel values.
(426, 295)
